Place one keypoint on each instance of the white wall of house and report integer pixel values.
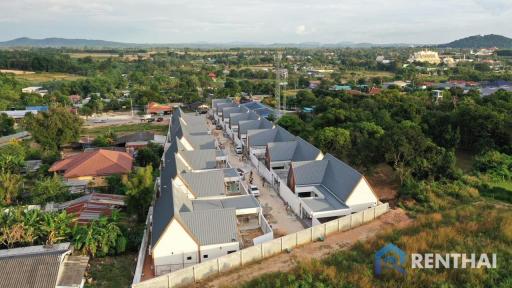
(217, 250)
(362, 195)
(186, 144)
(175, 249)
(257, 150)
(179, 185)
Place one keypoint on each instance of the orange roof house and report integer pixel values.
(375, 91)
(156, 108)
(94, 165)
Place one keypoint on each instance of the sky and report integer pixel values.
(263, 21)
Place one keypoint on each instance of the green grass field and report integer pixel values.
(126, 129)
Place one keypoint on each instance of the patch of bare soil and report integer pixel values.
(385, 183)
(394, 219)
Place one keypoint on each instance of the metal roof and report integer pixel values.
(334, 174)
(261, 137)
(205, 184)
(297, 150)
(163, 210)
(230, 172)
(212, 226)
(34, 266)
(236, 202)
(246, 125)
(200, 159)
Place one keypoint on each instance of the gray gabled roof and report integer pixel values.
(281, 151)
(227, 111)
(340, 178)
(205, 184)
(200, 159)
(261, 137)
(163, 209)
(217, 102)
(201, 141)
(309, 172)
(246, 125)
(332, 173)
(297, 150)
(235, 118)
(221, 106)
(210, 227)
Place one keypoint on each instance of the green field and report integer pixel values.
(126, 129)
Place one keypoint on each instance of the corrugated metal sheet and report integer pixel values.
(205, 184)
(212, 226)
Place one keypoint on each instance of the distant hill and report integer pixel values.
(80, 43)
(479, 41)
(62, 42)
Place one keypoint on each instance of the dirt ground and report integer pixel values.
(394, 219)
(385, 183)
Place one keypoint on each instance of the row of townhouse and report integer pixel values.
(202, 209)
(317, 187)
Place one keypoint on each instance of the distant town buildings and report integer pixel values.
(426, 56)
(35, 89)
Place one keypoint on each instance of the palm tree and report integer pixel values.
(57, 226)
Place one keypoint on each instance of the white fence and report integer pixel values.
(268, 234)
(262, 169)
(264, 250)
(143, 248)
(290, 198)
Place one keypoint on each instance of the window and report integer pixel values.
(205, 256)
(189, 257)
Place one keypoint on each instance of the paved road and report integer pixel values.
(283, 221)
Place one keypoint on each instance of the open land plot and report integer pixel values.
(41, 77)
(160, 129)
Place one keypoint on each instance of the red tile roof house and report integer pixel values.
(157, 108)
(94, 166)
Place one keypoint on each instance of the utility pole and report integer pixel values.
(277, 91)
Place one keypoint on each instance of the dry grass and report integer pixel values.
(40, 77)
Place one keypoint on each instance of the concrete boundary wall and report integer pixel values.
(201, 271)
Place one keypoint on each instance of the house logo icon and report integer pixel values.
(390, 257)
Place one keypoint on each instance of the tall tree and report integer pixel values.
(139, 191)
(6, 125)
(50, 189)
(54, 128)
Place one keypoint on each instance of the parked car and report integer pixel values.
(218, 127)
(100, 121)
(254, 190)
(239, 149)
(151, 120)
(159, 119)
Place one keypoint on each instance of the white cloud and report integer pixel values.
(433, 21)
(300, 30)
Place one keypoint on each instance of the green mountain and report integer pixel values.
(480, 41)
